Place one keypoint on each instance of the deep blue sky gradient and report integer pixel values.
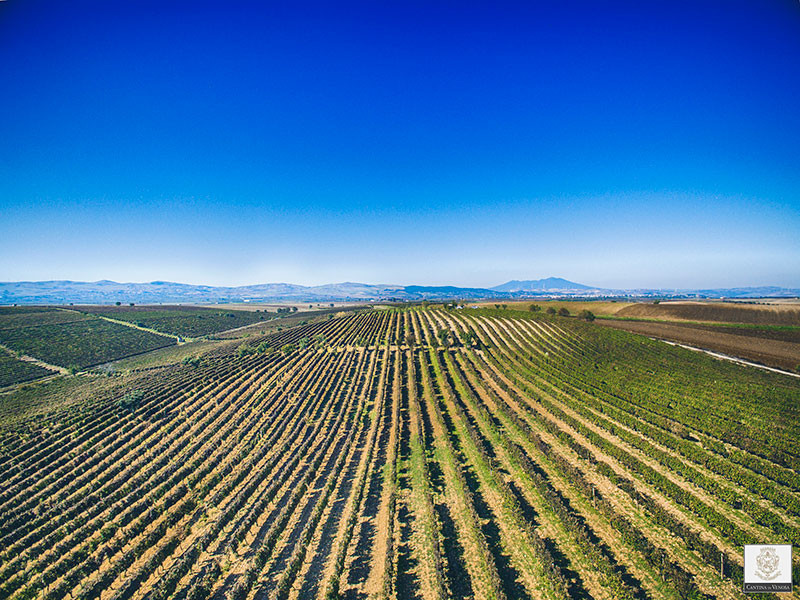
(617, 144)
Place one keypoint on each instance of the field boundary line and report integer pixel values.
(722, 356)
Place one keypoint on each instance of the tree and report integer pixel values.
(550, 310)
(118, 303)
(534, 308)
(563, 312)
(586, 315)
(303, 343)
(264, 348)
(444, 337)
(288, 349)
(131, 304)
(411, 340)
(505, 306)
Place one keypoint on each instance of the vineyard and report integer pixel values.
(14, 370)
(186, 321)
(419, 453)
(79, 343)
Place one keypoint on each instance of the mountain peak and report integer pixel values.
(549, 283)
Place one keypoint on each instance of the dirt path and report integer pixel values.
(741, 361)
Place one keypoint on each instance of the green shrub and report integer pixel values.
(245, 350)
(131, 400)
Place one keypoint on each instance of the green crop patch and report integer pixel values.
(15, 310)
(82, 343)
(22, 318)
(14, 370)
(185, 321)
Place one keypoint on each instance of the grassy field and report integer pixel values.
(402, 454)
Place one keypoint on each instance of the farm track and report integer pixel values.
(423, 454)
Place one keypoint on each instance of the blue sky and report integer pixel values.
(621, 144)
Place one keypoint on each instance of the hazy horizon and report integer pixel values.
(391, 284)
(622, 145)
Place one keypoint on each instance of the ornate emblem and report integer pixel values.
(767, 562)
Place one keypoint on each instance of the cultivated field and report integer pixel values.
(764, 333)
(71, 339)
(14, 370)
(773, 347)
(721, 312)
(184, 321)
(424, 454)
(598, 307)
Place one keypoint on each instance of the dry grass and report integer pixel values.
(715, 312)
(598, 307)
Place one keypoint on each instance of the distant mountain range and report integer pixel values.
(160, 292)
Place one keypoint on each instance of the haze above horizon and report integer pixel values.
(621, 145)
